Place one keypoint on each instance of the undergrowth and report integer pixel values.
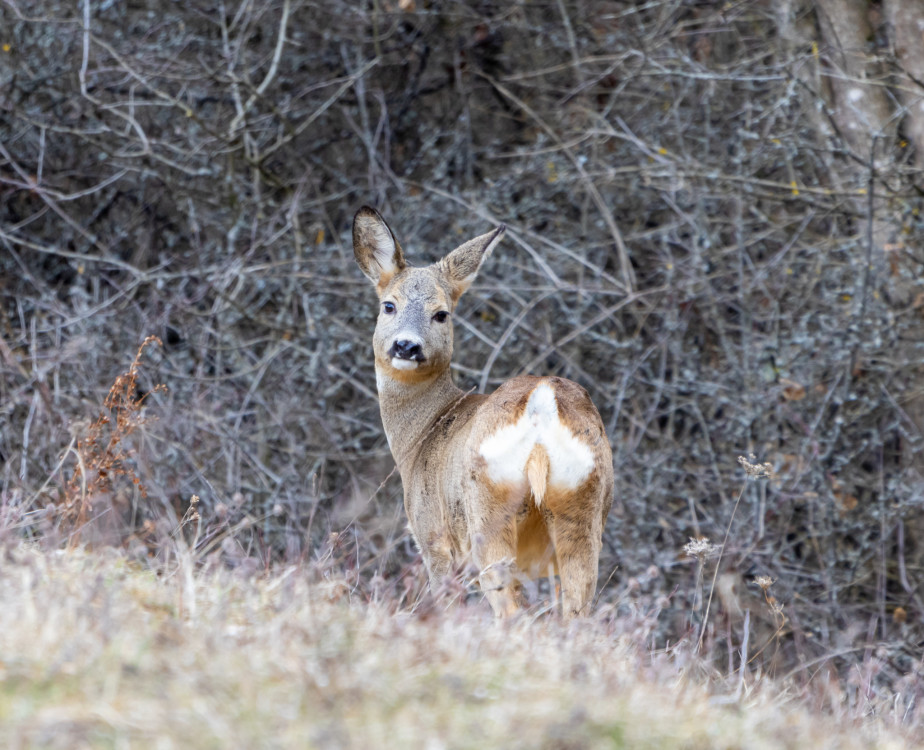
(697, 234)
(100, 651)
(103, 469)
(197, 638)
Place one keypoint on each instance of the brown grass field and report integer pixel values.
(102, 652)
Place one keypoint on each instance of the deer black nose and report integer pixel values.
(404, 349)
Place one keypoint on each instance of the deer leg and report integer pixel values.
(494, 552)
(577, 548)
(496, 557)
(431, 535)
(437, 555)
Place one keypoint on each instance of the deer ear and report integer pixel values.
(461, 265)
(377, 251)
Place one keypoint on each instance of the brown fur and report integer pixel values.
(455, 510)
(537, 472)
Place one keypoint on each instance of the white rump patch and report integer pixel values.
(404, 364)
(506, 451)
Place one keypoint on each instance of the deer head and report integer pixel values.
(413, 334)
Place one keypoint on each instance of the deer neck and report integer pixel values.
(409, 411)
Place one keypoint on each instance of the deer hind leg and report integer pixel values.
(494, 550)
(577, 535)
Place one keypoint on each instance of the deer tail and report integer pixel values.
(537, 472)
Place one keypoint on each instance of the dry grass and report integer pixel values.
(96, 651)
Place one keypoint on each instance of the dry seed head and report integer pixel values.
(776, 608)
(755, 470)
(700, 548)
(192, 512)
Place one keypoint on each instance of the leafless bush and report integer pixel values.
(690, 237)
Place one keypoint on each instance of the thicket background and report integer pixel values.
(714, 226)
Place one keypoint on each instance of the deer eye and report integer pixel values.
(388, 308)
(441, 317)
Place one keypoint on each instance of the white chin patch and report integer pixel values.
(404, 364)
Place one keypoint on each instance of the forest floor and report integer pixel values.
(100, 651)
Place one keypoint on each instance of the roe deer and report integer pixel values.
(523, 474)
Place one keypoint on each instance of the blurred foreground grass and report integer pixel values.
(97, 651)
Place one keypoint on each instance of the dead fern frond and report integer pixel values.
(103, 459)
